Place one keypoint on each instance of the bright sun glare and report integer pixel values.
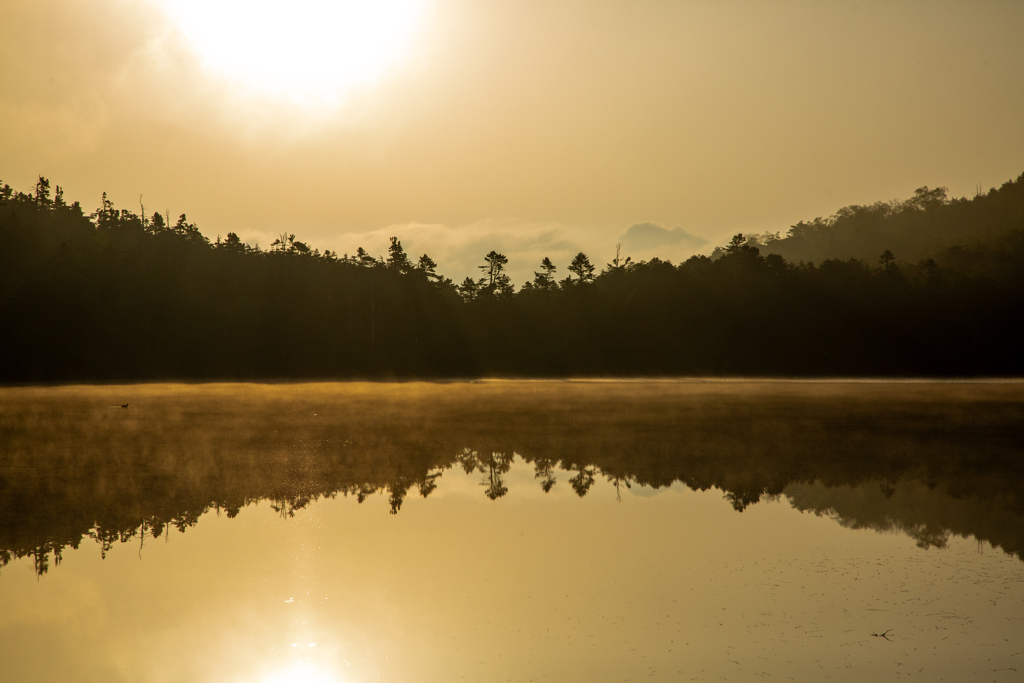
(306, 51)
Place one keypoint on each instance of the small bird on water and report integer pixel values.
(124, 405)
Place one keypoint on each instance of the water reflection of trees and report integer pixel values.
(919, 509)
(544, 469)
(123, 528)
(492, 466)
(124, 481)
(583, 480)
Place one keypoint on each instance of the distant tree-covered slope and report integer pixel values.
(918, 228)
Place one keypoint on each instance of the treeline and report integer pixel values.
(116, 295)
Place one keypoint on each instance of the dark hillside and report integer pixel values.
(915, 229)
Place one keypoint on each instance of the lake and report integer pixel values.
(513, 531)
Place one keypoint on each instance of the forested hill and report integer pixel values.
(114, 296)
(918, 228)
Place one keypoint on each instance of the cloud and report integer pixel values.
(459, 250)
(646, 236)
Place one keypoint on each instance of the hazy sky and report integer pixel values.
(534, 128)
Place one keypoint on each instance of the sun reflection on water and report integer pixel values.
(301, 672)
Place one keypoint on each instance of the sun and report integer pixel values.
(305, 51)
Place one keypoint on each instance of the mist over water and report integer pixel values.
(512, 530)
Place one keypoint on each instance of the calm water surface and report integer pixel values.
(513, 531)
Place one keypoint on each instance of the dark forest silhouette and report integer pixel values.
(928, 286)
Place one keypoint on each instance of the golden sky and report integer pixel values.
(534, 128)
